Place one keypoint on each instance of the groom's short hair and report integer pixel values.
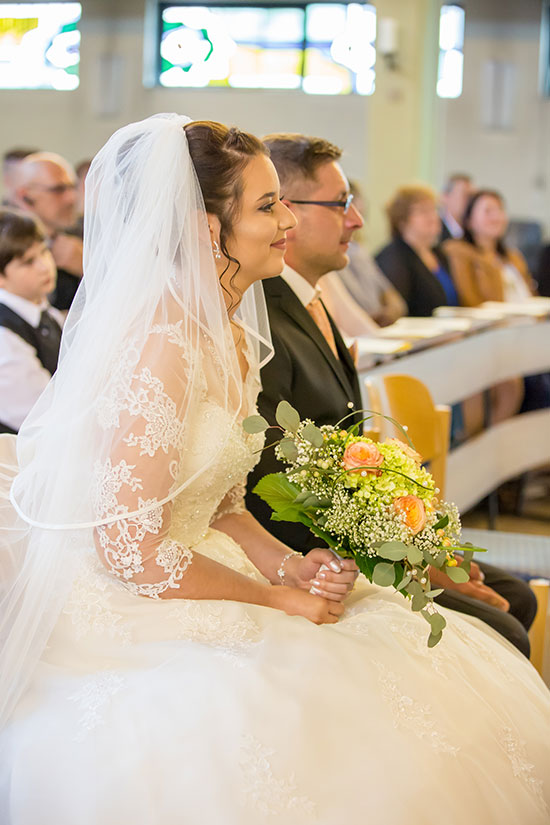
(298, 157)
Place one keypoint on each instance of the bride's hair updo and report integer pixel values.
(220, 155)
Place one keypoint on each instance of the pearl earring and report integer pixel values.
(216, 250)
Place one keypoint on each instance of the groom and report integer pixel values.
(313, 370)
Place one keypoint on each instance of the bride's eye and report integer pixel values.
(268, 207)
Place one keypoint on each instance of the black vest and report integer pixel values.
(45, 340)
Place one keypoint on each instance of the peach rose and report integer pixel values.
(361, 455)
(411, 508)
(405, 448)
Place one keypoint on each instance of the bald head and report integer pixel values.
(45, 185)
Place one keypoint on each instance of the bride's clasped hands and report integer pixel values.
(318, 585)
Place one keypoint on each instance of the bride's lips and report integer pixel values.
(280, 244)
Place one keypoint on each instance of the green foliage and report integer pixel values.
(255, 424)
(276, 490)
(457, 574)
(414, 554)
(313, 434)
(289, 449)
(384, 574)
(443, 522)
(287, 417)
(393, 550)
(434, 639)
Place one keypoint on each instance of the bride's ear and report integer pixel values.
(214, 227)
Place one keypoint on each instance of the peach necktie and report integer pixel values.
(319, 315)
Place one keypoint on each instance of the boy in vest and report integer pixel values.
(30, 329)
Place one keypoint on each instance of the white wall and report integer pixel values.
(71, 122)
(515, 160)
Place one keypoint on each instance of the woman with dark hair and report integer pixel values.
(484, 268)
(163, 659)
(412, 261)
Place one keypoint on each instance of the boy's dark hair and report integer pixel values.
(18, 232)
(298, 157)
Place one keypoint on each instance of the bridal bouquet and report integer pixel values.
(370, 501)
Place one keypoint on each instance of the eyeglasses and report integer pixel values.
(59, 189)
(345, 205)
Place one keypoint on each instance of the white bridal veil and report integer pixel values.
(150, 305)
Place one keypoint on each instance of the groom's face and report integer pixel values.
(319, 243)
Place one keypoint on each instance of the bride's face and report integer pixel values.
(257, 239)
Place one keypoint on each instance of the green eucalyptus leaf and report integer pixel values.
(404, 582)
(383, 574)
(393, 550)
(437, 623)
(313, 434)
(431, 594)
(468, 555)
(289, 449)
(415, 588)
(287, 417)
(255, 424)
(457, 574)
(434, 638)
(440, 559)
(419, 602)
(414, 555)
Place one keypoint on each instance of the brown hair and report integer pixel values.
(298, 157)
(18, 232)
(468, 234)
(220, 155)
(399, 207)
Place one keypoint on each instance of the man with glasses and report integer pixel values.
(312, 368)
(45, 186)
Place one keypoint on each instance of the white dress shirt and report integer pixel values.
(298, 284)
(22, 376)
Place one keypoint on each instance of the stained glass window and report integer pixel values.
(39, 45)
(322, 48)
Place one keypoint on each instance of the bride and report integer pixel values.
(163, 660)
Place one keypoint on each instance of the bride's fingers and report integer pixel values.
(336, 608)
(330, 587)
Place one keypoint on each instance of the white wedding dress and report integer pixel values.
(184, 712)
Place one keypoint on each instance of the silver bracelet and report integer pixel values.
(281, 570)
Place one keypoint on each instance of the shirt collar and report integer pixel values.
(301, 288)
(452, 225)
(28, 311)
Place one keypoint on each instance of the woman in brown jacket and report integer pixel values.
(485, 269)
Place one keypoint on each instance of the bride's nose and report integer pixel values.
(287, 219)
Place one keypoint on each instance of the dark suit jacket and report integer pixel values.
(305, 373)
(411, 277)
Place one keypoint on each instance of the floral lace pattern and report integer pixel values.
(522, 768)
(92, 699)
(412, 715)
(89, 605)
(205, 623)
(262, 790)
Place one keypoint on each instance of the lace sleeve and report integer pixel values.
(141, 471)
